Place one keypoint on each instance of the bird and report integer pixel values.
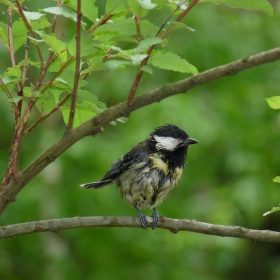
(149, 171)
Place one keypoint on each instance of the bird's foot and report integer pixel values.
(155, 217)
(142, 218)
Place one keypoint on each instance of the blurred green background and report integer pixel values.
(227, 178)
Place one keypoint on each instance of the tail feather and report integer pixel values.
(97, 184)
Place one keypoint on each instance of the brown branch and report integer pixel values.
(93, 125)
(77, 71)
(174, 225)
(10, 35)
(144, 62)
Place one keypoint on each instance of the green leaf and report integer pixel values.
(274, 102)
(94, 64)
(180, 25)
(254, 5)
(46, 102)
(8, 3)
(137, 59)
(126, 27)
(19, 34)
(32, 15)
(58, 47)
(10, 80)
(82, 114)
(14, 71)
(276, 179)
(274, 209)
(148, 42)
(116, 64)
(147, 69)
(136, 9)
(86, 45)
(4, 32)
(147, 4)
(28, 91)
(62, 11)
(116, 6)
(148, 28)
(42, 23)
(171, 61)
(15, 99)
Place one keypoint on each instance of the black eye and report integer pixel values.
(175, 135)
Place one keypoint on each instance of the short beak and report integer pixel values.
(189, 141)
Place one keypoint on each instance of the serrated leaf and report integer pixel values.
(4, 32)
(19, 34)
(86, 45)
(148, 42)
(276, 179)
(32, 15)
(28, 91)
(94, 64)
(116, 64)
(171, 61)
(14, 71)
(136, 9)
(126, 27)
(58, 47)
(40, 24)
(15, 99)
(254, 5)
(180, 25)
(46, 102)
(147, 69)
(116, 6)
(10, 80)
(82, 114)
(137, 59)
(274, 102)
(62, 11)
(148, 28)
(8, 3)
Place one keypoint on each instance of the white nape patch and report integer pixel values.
(166, 143)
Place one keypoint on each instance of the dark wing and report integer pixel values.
(137, 154)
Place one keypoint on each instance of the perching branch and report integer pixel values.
(174, 225)
(92, 126)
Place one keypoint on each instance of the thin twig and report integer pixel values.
(174, 225)
(77, 71)
(45, 116)
(10, 35)
(99, 23)
(138, 29)
(144, 62)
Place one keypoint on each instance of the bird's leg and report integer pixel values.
(155, 218)
(142, 218)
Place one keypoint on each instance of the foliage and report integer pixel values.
(227, 179)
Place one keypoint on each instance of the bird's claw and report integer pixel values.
(155, 218)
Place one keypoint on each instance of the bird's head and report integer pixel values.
(170, 138)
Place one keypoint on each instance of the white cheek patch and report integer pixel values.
(166, 143)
